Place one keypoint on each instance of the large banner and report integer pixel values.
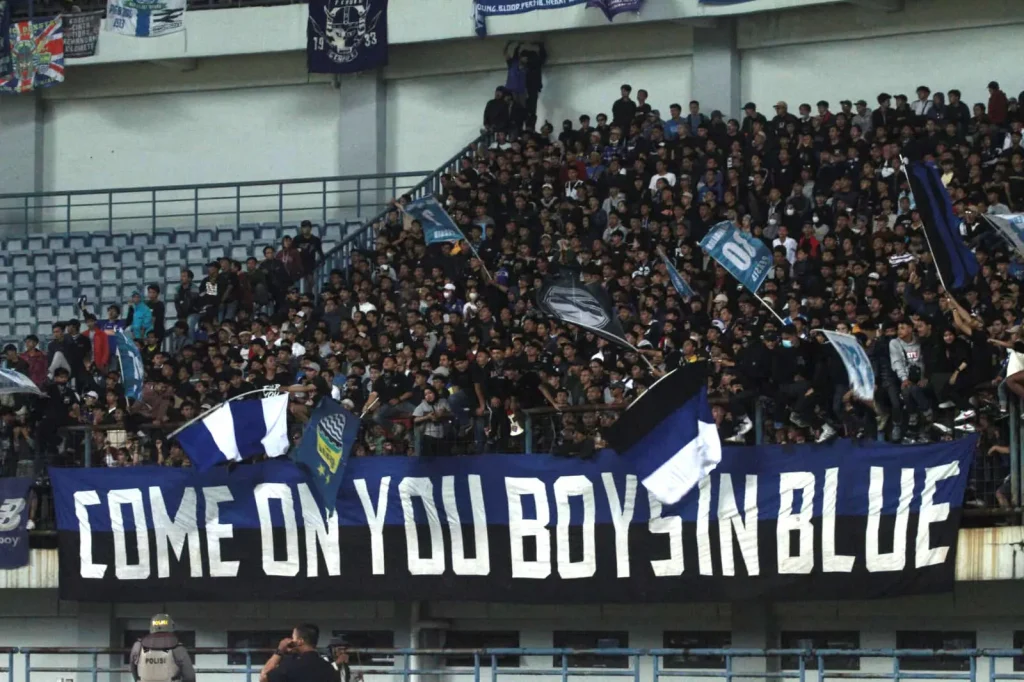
(809, 522)
(498, 8)
(14, 522)
(346, 36)
(146, 18)
(37, 56)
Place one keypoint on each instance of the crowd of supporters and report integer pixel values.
(442, 350)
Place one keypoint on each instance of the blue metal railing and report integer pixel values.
(146, 209)
(641, 665)
(363, 239)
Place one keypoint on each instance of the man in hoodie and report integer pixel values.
(907, 363)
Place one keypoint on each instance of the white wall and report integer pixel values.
(437, 92)
(848, 52)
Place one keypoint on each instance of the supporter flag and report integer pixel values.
(37, 56)
(81, 33)
(147, 19)
(669, 434)
(613, 8)
(236, 430)
(133, 373)
(677, 280)
(16, 382)
(325, 448)
(495, 8)
(14, 522)
(1010, 227)
(5, 37)
(438, 227)
(858, 366)
(589, 306)
(744, 256)
(347, 36)
(956, 264)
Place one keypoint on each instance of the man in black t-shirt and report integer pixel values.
(296, 659)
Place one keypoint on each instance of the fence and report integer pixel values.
(31, 664)
(147, 209)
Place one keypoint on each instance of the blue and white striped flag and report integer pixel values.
(12, 381)
(237, 430)
(133, 373)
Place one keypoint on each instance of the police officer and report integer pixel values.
(159, 656)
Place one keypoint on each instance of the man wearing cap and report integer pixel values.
(751, 116)
(340, 658)
(782, 118)
(159, 656)
(862, 119)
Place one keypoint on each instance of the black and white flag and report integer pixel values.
(566, 298)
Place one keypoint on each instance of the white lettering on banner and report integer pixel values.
(896, 560)
(422, 488)
(519, 528)
(830, 561)
(704, 563)
(282, 492)
(375, 519)
(622, 516)
(319, 534)
(481, 563)
(122, 569)
(177, 532)
(788, 522)
(566, 487)
(10, 540)
(83, 500)
(924, 553)
(673, 527)
(744, 528)
(541, 529)
(216, 531)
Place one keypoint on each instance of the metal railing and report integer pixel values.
(28, 664)
(147, 209)
(340, 256)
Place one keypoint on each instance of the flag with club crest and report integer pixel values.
(37, 56)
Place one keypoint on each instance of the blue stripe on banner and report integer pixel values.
(142, 18)
(856, 468)
(667, 438)
(250, 426)
(202, 450)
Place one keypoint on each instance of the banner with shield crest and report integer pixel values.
(347, 36)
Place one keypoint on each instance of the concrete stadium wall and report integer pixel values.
(990, 611)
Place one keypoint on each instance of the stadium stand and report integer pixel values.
(428, 329)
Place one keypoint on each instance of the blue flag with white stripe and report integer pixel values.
(133, 373)
(237, 430)
(438, 226)
(678, 282)
(326, 447)
(858, 366)
(669, 435)
(744, 256)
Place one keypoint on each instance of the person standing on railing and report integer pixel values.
(159, 656)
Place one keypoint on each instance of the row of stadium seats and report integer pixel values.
(251, 233)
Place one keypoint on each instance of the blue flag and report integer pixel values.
(325, 448)
(14, 522)
(133, 373)
(496, 8)
(956, 264)
(745, 257)
(677, 280)
(438, 226)
(236, 430)
(612, 8)
(347, 36)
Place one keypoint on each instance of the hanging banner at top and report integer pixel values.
(500, 8)
(837, 521)
(145, 18)
(347, 36)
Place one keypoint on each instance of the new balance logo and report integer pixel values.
(10, 513)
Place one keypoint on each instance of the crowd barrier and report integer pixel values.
(170, 207)
(640, 665)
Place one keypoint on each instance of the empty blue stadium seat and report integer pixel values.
(152, 273)
(35, 243)
(14, 245)
(110, 275)
(45, 278)
(184, 236)
(23, 314)
(7, 333)
(130, 257)
(216, 252)
(66, 312)
(100, 241)
(22, 280)
(139, 240)
(46, 315)
(88, 275)
(67, 294)
(163, 237)
(131, 276)
(87, 259)
(247, 235)
(240, 253)
(153, 255)
(127, 290)
(204, 237)
(6, 278)
(119, 241)
(5, 298)
(20, 262)
(92, 295)
(110, 294)
(108, 257)
(40, 261)
(268, 236)
(67, 276)
(196, 257)
(173, 256)
(65, 258)
(44, 295)
(225, 235)
(56, 241)
(79, 242)
(23, 330)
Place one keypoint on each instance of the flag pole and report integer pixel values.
(464, 238)
(367, 406)
(910, 189)
(267, 391)
(770, 309)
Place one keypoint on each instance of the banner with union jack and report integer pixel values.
(37, 56)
